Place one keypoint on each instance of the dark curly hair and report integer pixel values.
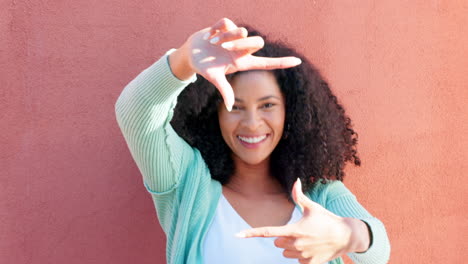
(318, 138)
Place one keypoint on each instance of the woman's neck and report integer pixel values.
(253, 180)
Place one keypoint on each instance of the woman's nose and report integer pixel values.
(251, 120)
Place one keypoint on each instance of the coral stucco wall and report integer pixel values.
(70, 192)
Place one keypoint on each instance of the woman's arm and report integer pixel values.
(143, 111)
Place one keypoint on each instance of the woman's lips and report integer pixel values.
(252, 142)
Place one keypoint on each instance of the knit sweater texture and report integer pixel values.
(179, 181)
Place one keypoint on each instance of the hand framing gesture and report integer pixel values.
(318, 237)
(222, 49)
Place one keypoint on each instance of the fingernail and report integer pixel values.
(214, 40)
(230, 102)
(206, 36)
(227, 45)
(298, 61)
(229, 107)
(299, 184)
(240, 235)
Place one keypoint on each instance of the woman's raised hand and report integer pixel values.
(222, 49)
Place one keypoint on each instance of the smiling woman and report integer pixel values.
(237, 149)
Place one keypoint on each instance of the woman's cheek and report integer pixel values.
(276, 119)
(230, 122)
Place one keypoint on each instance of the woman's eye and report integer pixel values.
(268, 105)
(235, 107)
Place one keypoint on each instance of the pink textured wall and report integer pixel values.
(70, 192)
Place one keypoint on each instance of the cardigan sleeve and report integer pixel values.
(342, 202)
(143, 111)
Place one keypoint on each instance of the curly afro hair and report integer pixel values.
(318, 138)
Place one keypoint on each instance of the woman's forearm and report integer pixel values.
(143, 112)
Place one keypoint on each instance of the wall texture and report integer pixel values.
(70, 192)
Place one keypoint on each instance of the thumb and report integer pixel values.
(300, 198)
(224, 88)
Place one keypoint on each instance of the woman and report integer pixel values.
(235, 170)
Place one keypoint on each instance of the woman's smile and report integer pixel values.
(252, 142)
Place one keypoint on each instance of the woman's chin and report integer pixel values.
(253, 161)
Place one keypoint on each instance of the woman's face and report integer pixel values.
(255, 125)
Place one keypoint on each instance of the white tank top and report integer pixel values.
(221, 246)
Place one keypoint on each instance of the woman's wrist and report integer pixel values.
(359, 241)
(179, 64)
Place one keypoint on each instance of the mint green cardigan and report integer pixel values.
(179, 181)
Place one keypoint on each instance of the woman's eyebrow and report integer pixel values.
(261, 99)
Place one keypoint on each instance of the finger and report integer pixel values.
(292, 243)
(225, 89)
(285, 242)
(231, 35)
(305, 260)
(297, 193)
(293, 254)
(248, 45)
(268, 231)
(300, 198)
(263, 63)
(222, 25)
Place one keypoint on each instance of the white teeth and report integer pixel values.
(252, 140)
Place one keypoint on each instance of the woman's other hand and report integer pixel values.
(222, 49)
(319, 236)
